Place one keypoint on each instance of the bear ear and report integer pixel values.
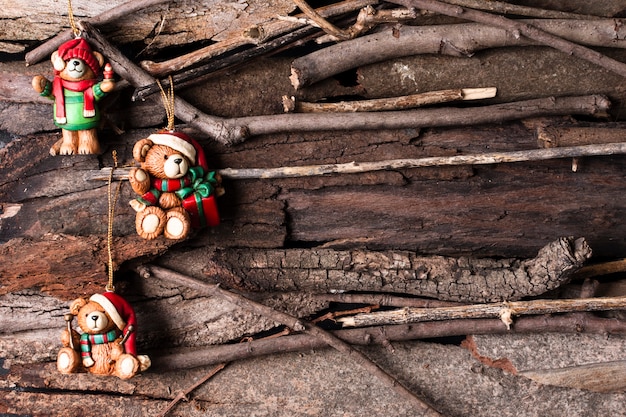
(76, 305)
(57, 62)
(141, 148)
(99, 57)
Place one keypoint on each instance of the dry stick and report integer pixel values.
(456, 40)
(566, 323)
(255, 35)
(295, 324)
(503, 310)
(392, 164)
(195, 75)
(514, 9)
(392, 103)
(311, 122)
(218, 128)
(384, 300)
(478, 159)
(520, 29)
(604, 268)
(325, 25)
(45, 49)
(369, 17)
(183, 394)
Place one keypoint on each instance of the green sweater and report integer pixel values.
(74, 108)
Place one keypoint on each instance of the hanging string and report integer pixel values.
(112, 201)
(168, 103)
(70, 13)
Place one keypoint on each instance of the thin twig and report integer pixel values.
(254, 36)
(391, 103)
(520, 29)
(477, 159)
(461, 40)
(332, 315)
(45, 49)
(182, 396)
(298, 325)
(566, 323)
(324, 24)
(395, 164)
(368, 18)
(218, 128)
(517, 10)
(384, 300)
(198, 74)
(504, 310)
(604, 268)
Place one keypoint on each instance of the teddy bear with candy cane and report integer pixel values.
(75, 90)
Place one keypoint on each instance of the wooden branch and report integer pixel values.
(368, 18)
(519, 28)
(501, 7)
(566, 323)
(297, 325)
(504, 310)
(480, 159)
(218, 128)
(383, 300)
(604, 268)
(395, 164)
(198, 74)
(311, 122)
(43, 51)
(183, 394)
(456, 40)
(392, 103)
(253, 36)
(320, 21)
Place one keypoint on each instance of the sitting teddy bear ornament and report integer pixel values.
(177, 190)
(106, 344)
(75, 91)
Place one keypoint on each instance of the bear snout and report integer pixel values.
(96, 321)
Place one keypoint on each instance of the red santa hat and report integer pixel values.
(183, 144)
(122, 315)
(79, 48)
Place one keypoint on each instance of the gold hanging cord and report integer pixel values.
(70, 13)
(168, 103)
(112, 201)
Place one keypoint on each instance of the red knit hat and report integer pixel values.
(183, 144)
(122, 315)
(79, 48)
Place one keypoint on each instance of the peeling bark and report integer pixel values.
(455, 279)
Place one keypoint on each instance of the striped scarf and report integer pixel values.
(194, 182)
(86, 340)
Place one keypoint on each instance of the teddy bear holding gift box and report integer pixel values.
(177, 192)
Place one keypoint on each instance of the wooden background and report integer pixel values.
(53, 219)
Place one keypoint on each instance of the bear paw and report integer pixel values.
(67, 360)
(150, 222)
(126, 366)
(177, 224)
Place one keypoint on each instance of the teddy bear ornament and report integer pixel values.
(76, 90)
(177, 192)
(106, 342)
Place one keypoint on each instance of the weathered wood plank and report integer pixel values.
(156, 27)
